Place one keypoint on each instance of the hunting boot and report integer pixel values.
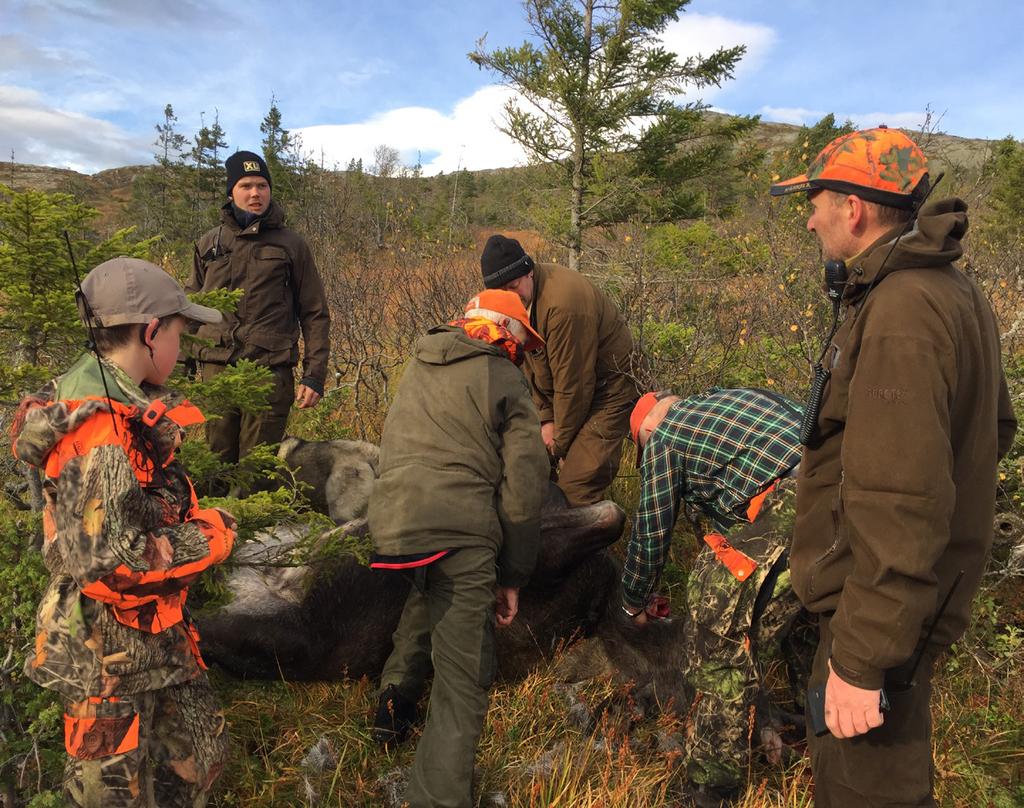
(395, 717)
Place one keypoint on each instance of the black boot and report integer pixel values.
(395, 716)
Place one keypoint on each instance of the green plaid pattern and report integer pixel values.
(715, 452)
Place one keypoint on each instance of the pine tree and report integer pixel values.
(602, 90)
(40, 330)
(208, 170)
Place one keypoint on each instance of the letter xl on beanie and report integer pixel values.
(245, 164)
(879, 165)
(129, 290)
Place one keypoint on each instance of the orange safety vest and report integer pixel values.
(739, 564)
(140, 599)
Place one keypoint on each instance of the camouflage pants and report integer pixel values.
(736, 627)
(160, 748)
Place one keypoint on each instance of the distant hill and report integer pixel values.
(110, 190)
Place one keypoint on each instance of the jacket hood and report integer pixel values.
(273, 219)
(932, 242)
(43, 420)
(446, 345)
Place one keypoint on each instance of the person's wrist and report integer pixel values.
(631, 611)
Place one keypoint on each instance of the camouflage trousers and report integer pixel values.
(159, 748)
(737, 627)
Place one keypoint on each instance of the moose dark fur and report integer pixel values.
(335, 621)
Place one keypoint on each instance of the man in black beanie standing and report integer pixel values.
(251, 249)
(581, 380)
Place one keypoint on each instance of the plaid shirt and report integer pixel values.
(714, 451)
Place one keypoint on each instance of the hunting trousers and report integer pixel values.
(738, 626)
(888, 767)
(448, 623)
(594, 455)
(234, 434)
(158, 749)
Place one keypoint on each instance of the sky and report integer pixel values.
(84, 82)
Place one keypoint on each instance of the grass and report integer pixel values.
(538, 748)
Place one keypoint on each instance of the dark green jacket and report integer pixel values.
(897, 494)
(275, 267)
(461, 458)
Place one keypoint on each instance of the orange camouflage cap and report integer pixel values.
(497, 305)
(879, 165)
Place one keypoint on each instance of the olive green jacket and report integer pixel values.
(283, 292)
(461, 457)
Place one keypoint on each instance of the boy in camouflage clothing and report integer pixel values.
(123, 538)
(724, 459)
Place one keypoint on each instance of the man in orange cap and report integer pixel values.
(897, 484)
(463, 474)
(722, 458)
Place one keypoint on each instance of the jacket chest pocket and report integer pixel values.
(273, 267)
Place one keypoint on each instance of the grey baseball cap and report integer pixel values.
(130, 290)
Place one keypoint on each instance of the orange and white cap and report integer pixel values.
(640, 411)
(506, 309)
(879, 165)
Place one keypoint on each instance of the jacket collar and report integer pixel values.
(273, 219)
(932, 241)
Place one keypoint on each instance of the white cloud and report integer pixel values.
(800, 116)
(468, 136)
(703, 34)
(45, 135)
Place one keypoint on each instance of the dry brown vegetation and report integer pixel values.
(721, 301)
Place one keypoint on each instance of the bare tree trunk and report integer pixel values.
(579, 155)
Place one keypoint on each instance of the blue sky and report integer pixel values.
(82, 83)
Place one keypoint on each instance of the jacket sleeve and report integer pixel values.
(314, 318)
(110, 542)
(1007, 419)
(523, 482)
(196, 279)
(660, 487)
(538, 373)
(571, 339)
(897, 494)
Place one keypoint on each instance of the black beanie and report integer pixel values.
(503, 260)
(245, 164)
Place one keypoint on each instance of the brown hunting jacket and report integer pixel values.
(897, 493)
(585, 364)
(283, 292)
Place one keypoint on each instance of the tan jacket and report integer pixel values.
(897, 494)
(275, 267)
(586, 362)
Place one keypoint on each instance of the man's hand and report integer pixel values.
(506, 604)
(306, 397)
(850, 710)
(547, 434)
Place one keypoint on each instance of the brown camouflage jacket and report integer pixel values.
(123, 535)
